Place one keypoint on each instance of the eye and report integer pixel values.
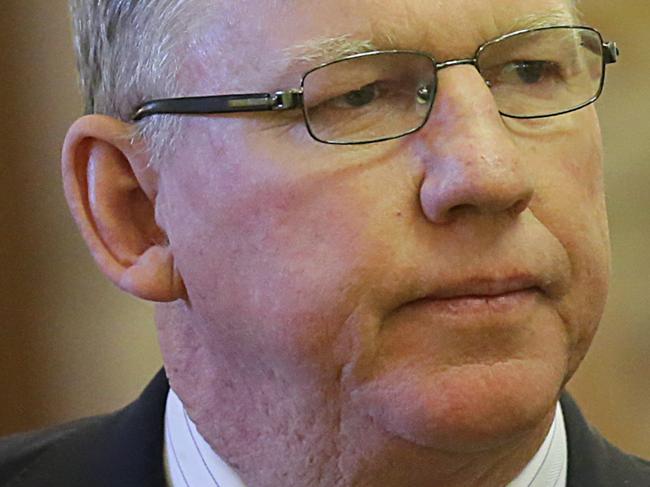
(531, 72)
(380, 94)
(359, 98)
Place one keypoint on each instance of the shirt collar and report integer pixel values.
(190, 462)
(548, 468)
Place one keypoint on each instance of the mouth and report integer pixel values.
(483, 296)
(486, 287)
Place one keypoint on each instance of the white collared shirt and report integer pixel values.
(548, 467)
(190, 462)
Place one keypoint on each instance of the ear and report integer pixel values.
(112, 193)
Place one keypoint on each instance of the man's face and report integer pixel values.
(445, 284)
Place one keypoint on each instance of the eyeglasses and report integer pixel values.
(382, 95)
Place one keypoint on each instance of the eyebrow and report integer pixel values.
(549, 18)
(318, 51)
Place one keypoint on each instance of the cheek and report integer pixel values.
(276, 260)
(570, 202)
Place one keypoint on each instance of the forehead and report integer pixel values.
(420, 23)
(257, 36)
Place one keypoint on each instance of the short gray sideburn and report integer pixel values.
(127, 51)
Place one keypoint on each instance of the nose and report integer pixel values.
(472, 164)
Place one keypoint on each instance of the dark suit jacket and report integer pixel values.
(124, 449)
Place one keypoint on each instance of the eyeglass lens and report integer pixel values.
(384, 95)
(544, 72)
(369, 97)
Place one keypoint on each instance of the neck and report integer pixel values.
(308, 436)
(297, 431)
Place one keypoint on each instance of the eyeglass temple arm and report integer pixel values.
(251, 102)
(610, 52)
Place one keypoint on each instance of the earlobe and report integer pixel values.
(153, 276)
(111, 193)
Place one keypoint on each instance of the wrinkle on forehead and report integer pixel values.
(246, 40)
(407, 29)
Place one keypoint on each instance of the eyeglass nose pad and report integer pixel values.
(424, 94)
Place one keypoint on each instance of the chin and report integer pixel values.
(464, 408)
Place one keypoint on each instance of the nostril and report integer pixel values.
(520, 206)
(459, 209)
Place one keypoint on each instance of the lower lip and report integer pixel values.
(481, 305)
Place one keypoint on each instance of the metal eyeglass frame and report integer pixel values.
(293, 98)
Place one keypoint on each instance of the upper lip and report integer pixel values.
(486, 287)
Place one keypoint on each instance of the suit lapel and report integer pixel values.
(593, 461)
(121, 449)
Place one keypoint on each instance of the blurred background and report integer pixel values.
(72, 345)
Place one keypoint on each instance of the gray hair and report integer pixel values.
(128, 50)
